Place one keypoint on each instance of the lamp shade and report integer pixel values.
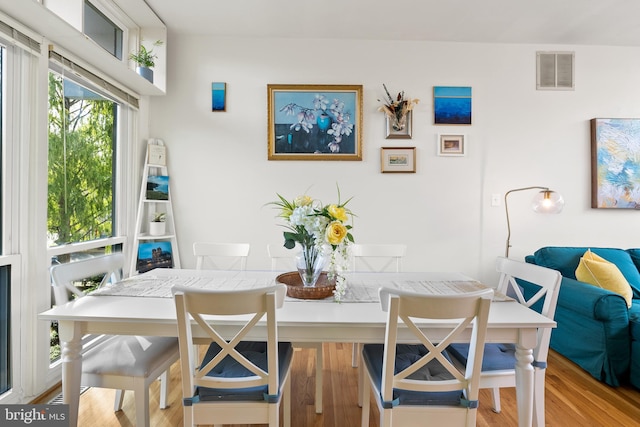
(547, 201)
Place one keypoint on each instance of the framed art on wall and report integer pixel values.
(218, 96)
(451, 145)
(451, 105)
(615, 163)
(314, 122)
(398, 159)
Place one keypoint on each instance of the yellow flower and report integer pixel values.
(337, 212)
(303, 200)
(335, 233)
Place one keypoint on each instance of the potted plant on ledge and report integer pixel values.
(158, 226)
(146, 59)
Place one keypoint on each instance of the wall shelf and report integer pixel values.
(63, 35)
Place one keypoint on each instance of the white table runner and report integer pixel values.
(358, 289)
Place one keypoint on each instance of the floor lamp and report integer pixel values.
(545, 201)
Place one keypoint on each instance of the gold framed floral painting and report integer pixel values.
(314, 122)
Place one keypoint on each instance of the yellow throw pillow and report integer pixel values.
(599, 272)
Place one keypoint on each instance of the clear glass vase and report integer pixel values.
(310, 262)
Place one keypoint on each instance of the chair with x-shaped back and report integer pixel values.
(417, 383)
(498, 368)
(237, 381)
(121, 362)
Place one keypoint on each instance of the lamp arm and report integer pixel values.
(506, 208)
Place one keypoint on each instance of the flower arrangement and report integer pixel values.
(397, 109)
(316, 228)
(329, 117)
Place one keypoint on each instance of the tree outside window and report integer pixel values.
(81, 168)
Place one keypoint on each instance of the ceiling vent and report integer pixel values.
(554, 70)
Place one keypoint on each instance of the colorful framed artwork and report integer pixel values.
(452, 105)
(451, 145)
(398, 159)
(615, 163)
(157, 187)
(218, 96)
(404, 133)
(154, 255)
(314, 122)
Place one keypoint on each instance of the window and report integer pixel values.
(5, 276)
(102, 30)
(82, 138)
(5, 282)
(81, 208)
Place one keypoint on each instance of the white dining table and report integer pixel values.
(142, 305)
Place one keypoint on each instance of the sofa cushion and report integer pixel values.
(599, 272)
(565, 259)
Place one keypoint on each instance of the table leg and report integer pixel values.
(71, 357)
(524, 385)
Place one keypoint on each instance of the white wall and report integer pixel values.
(221, 178)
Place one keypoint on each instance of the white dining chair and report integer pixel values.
(417, 384)
(498, 369)
(122, 362)
(282, 259)
(237, 381)
(376, 258)
(221, 256)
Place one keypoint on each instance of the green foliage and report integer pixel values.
(81, 146)
(145, 57)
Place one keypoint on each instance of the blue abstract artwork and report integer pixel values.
(452, 105)
(615, 168)
(218, 96)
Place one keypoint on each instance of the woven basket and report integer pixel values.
(323, 288)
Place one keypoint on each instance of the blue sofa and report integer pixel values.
(596, 329)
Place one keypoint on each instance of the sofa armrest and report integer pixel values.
(585, 300)
(591, 301)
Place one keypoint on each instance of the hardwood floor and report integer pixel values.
(573, 398)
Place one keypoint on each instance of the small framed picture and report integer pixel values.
(452, 145)
(398, 159)
(218, 96)
(399, 129)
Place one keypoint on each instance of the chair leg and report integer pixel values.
(117, 404)
(164, 389)
(355, 354)
(274, 412)
(361, 381)
(141, 395)
(286, 402)
(319, 365)
(495, 399)
(364, 390)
